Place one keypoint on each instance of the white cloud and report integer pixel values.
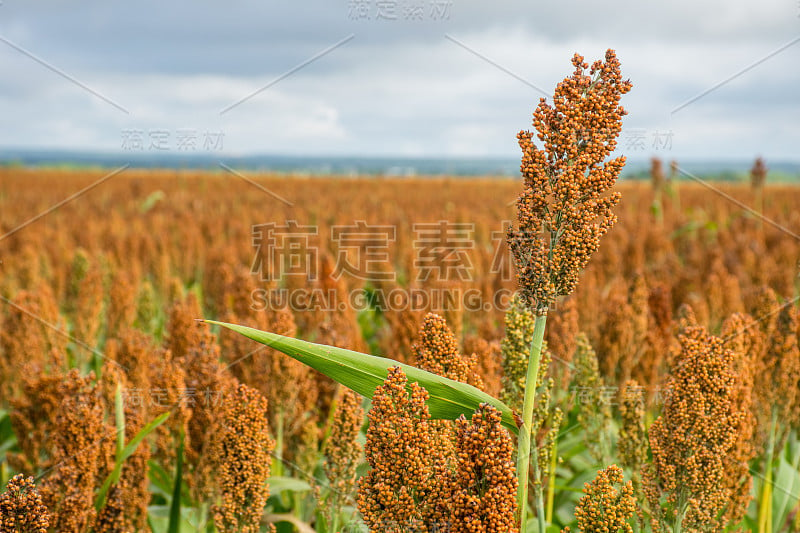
(395, 88)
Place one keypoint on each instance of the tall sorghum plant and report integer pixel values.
(758, 177)
(657, 179)
(564, 209)
(688, 483)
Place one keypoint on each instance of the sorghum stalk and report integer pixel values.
(673, 187)
(657, 179)
(525, 433)
(277, 462)
(563, 211)
(765, 503)
(758, 176)
(551, 482)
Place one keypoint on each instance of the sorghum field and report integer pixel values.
(560, 357)
(676, 356)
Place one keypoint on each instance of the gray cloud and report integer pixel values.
(398, 87)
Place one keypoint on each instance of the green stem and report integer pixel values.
(540, 516)
(759, 194)
(202, 519)
(676, 528)
(526, 444)
(277, 464)
(658, 207)
(765, 504)
(334, 525)
(551, 481)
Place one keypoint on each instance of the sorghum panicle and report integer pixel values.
(615, 342)
(25, 340)
(135, 352)
(638, 295)
(515, 349)
(68, 489)
(562, 330)
(146, 308)
(167, 378)
(77, 271)
(594, 407)
(632, 442)
(242, 457)
(436, 351)
(693, 438)
(656, 174)
(397, 494)
(488, 357)
(88, 312)
(183, 330)
(563, 210)
(604, 507)
(779, 369)
(758, 174)
(121, 310)
(484, 500)
(34, 416)
(742, 337)
(658, 340)
(343, 450)
(21, 507)
(194, 348)
(763, 305)
(126, 507)
(290, 389)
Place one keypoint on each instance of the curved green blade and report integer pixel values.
(363, 373)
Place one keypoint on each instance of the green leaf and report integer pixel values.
(144, 432)
(122, 456)
(299, 525)
(785, 493)
(160, 480)
(448, 400)
(7, 437)
(151, 201)
(158, 519)
(119, 415)
(278, 484)
(175, 506)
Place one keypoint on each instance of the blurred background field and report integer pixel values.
(106, 274)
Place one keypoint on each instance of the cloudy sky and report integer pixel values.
(712, 79)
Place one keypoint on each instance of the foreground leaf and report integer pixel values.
(123, 453)
(363, 373)
(278, 484)
(175, 506)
